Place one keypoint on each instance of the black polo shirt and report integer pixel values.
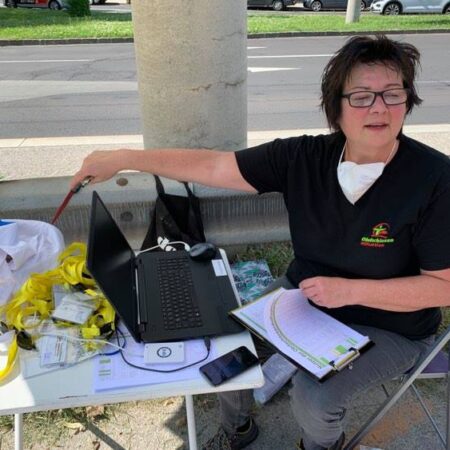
(399, 226)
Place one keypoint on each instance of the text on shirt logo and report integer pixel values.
(379, 236)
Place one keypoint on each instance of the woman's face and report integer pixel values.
(373, 129)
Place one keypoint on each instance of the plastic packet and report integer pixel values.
(277, 372)
(61, 346)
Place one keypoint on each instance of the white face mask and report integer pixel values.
(356, 179)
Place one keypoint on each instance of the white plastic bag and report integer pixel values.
(26, 246)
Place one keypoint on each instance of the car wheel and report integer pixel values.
(446, 10)
(363, 5)
(392, 9)
(278, 5)
(316, 5)
(54, 5)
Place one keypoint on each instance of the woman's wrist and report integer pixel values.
(129, 159)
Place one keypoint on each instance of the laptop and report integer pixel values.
(160, 296)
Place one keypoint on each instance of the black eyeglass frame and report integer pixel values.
(378, 94)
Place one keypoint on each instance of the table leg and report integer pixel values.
(192, 433)
(18, 431)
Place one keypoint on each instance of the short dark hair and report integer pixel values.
(400, 56)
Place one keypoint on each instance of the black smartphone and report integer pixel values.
(229, 365)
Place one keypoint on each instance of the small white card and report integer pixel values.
(52, 350)
(82, 296)
(70, 309)
(219, 268)
(164, 353)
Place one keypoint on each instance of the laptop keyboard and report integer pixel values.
(179, 308)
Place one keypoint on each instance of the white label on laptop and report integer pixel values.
(219, 268)
(71, 310)
(164, 352)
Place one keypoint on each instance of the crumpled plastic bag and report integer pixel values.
(26, 246)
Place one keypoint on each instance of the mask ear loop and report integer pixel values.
(388, 160)
(391, 155)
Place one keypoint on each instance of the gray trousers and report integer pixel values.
(319, 408)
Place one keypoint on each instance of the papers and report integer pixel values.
(111, 372)
(306, 335)
(58, 348)
(30, 363)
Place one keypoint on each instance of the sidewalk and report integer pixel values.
(62, 156)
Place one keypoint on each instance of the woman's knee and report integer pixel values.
(308, 397)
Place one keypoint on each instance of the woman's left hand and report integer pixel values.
(328, 292)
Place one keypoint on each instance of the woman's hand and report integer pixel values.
(100, 165)
(328, 292)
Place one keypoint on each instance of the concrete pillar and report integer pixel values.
(192, 69)
(353, 11)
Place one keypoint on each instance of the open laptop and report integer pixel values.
(160, 296)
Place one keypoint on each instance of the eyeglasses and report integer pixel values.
(365, 99)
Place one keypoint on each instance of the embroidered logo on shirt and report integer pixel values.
(379, 236)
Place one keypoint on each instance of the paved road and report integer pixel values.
(83, 90)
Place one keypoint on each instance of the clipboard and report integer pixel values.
(309, 338)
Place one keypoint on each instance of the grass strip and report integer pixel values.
(368, 23)
(46, 24)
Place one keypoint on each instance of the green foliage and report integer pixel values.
(78, 8)
(23, 23)
(369, 22)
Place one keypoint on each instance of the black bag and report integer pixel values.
(174, 218)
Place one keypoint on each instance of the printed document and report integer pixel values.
(111, 372)
(308, 336)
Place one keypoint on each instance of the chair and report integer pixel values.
(433, 365)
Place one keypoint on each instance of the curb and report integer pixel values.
(7, 42)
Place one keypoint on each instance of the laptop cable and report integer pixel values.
(206, 340)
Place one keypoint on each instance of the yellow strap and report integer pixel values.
(12, 353)
(34, 298)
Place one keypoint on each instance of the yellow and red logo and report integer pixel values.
(379, 236)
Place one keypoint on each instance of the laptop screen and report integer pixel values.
(110, 261)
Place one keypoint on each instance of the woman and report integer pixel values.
(370, 225)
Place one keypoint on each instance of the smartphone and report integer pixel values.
(229, 365)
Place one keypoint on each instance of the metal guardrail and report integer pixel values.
(230, 218)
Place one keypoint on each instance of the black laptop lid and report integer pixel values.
(111, 262)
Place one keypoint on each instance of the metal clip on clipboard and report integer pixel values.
(351, 355)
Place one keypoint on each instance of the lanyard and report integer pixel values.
(34, 299)
(8, 343)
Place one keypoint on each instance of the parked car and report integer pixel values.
(395, 7)
(51, 4)
(276, 5)
(318, 5)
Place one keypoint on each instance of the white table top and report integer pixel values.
(71, 387)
